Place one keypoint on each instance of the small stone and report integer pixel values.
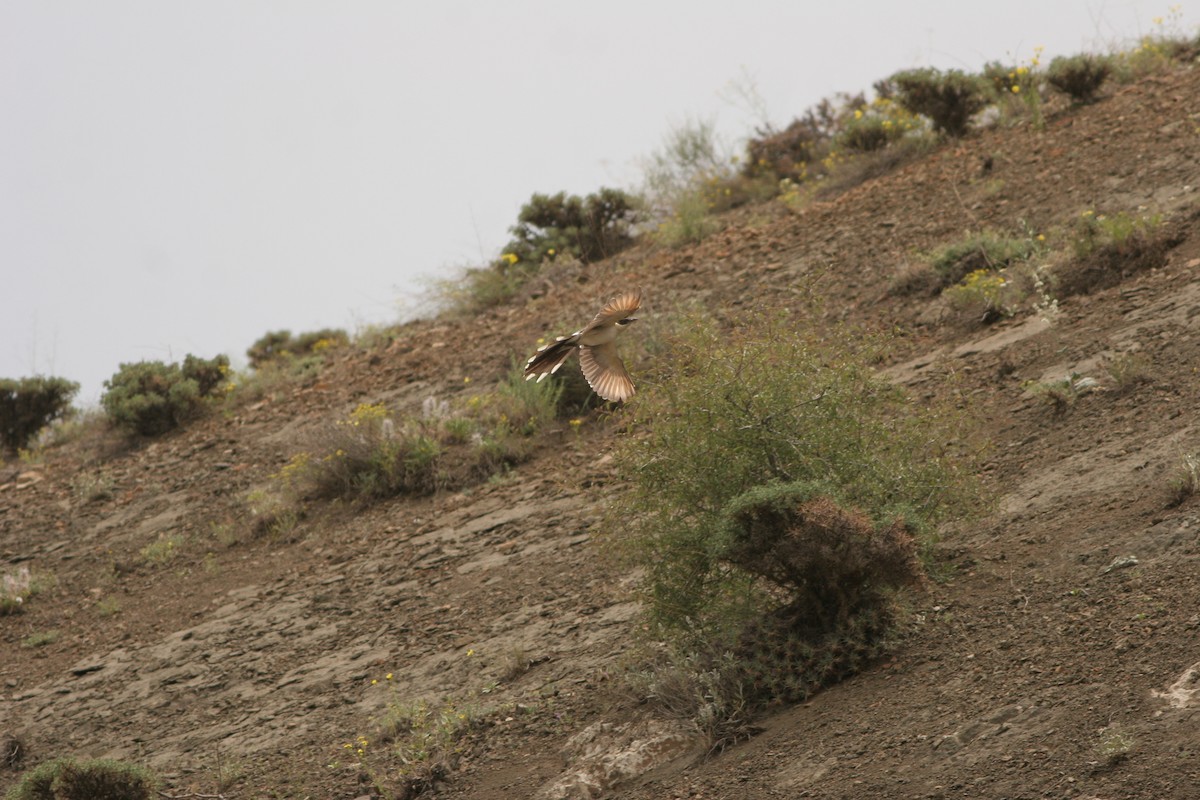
(1120, 562)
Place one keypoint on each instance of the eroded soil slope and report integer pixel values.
(1069, 631)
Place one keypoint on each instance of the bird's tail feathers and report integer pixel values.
(549, 358)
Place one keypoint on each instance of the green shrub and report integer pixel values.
(589, 228)
(875, 126)
(778, 501)
(690, 220)
(150, 397)
(786, 153)
(949, 99)
(984, 296)
(275, 344)
(1110, 247)
(98, 779)
(28, 405)
(986, 250)
(1079, 76)
(764, 404)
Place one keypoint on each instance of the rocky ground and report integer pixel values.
(1060, 659)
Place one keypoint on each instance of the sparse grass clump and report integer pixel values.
(89, 487)
(1063, 393)
(162, 551)
(1185, 482)
(1128, 371)
(41, 638)
(28, 405)
(427, 741)
(15, 588)
(97, 779)
(150, 398)
(1114, 744)
(777, 461)
(949, 99)
(1107, 248)
(1080, 76)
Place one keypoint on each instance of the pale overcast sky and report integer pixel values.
(182, 177)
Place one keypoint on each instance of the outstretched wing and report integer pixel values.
(605, 372)
(617, 309)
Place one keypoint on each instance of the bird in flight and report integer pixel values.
(603, 368)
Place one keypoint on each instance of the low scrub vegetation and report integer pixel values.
(376, 453)
(97, 779)
(28, 405)
(949, 99)
(589, 228)
(150, 397)
(1107, 248)
(1079, 77)
(282, 344)
(548, 228)
(782, 495)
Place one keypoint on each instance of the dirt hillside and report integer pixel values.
(1061, 658)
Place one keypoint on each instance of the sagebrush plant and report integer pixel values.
(94, 779)
(949, 99)
(1080, 76)
(152, 397)
(28, 405)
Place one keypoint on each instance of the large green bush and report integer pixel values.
(780, 498)
(28, 405)
(96, 779)
(948, 98)
(151, 397)
(769, 402)
(589, 228)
